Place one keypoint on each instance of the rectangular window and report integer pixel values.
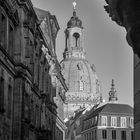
(11, 41)
(132, 135)
(85, 137)
(104, 121)
(92, 121)
(113, 121)
(89, 136)
(9, 101)
(27, 47)
(92, 136)
(32, 112)
(3, 31)
(123, 121)
(131, 122)
(37, 115)
(104, 134)
(1, 94)
(113, 134)
(95, 134)
(123, 135)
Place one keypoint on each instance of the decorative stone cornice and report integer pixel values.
(10, 7)
(126, 13)
(26, 3)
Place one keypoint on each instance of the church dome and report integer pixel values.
(81, 78)
(74, 21)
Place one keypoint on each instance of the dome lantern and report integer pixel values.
(74, 21)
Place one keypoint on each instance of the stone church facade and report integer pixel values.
(81, 78)
(32, 88)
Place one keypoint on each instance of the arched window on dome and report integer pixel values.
(77, 40)
(81, 85)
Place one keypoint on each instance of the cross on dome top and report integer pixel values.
(74, 5)
(74, 21)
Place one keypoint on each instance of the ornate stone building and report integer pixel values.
(126, 13)
(81, 78)
(31, 84)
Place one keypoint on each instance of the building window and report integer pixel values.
(27, 110)
(123, 135)
(132, 135)
(76, 35)
(37, 115)
(85, 137)
(32, 112)
(11, 41)
(123, 121)
(95, 134)
(92, 121)
(92, 136)
(131, 122)
(104, 134)
(9, 101)
(114, 121)
(113, 134)
(81, 85)
(3, 31)
(1, 94)
(104, 121)
(89, 136)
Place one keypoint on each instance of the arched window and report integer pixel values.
(76, 35)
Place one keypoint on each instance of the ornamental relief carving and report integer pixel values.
(45, 29)
(79, 97)
(51, 61)
(54, 28)
(12, 4)
(29, 21)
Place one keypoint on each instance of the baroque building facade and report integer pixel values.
(110, 121)
(32, 88)
(81, 78)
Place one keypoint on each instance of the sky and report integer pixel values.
(104, 42)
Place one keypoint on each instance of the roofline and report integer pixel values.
(109, 113)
